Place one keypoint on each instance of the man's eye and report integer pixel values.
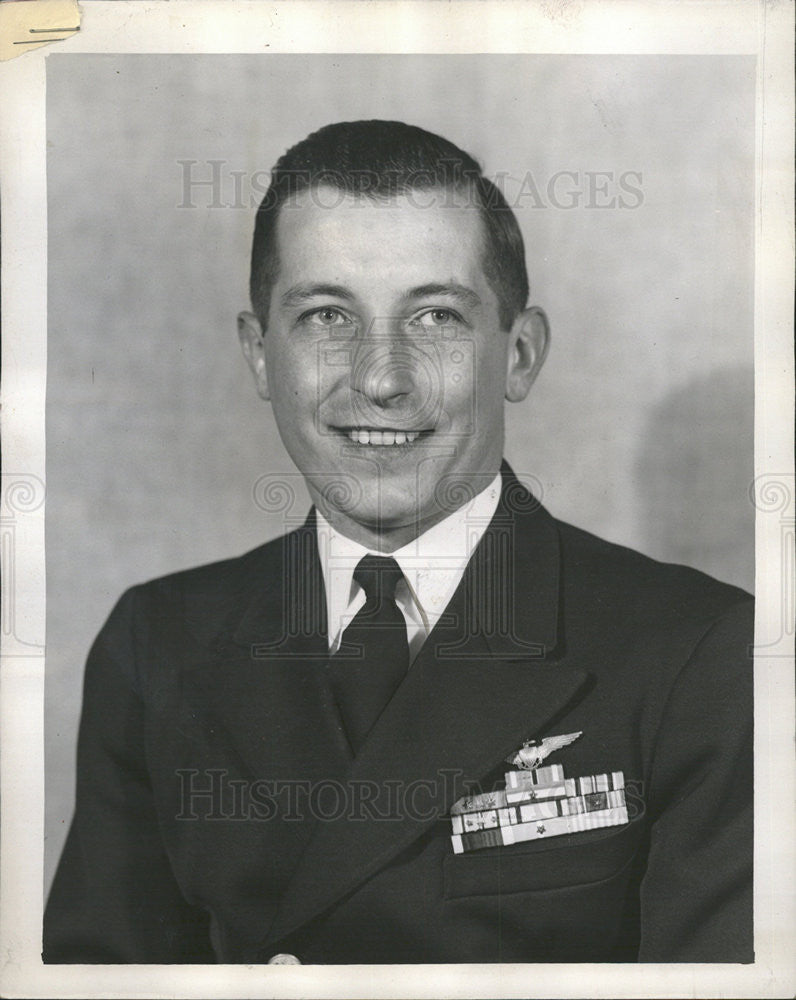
(327, 316)
(438, 317)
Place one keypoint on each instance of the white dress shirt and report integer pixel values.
(433, 565)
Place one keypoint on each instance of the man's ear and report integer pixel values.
(251, 340)
(529, 340)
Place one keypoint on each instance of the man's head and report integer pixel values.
(389, 291)
(378, 160)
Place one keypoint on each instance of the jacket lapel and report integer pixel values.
(485, 680)
(266, 684)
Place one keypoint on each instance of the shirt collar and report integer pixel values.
(433, 563)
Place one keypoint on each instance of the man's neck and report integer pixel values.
(386, 538)
(381, 538)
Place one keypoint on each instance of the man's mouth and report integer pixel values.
(382, 436)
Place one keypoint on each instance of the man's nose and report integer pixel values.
(384, 365)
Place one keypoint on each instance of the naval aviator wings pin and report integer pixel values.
(533, 752)
(538, 803)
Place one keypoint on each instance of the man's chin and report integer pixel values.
(387, 503)
(383, 516)
(387, 518)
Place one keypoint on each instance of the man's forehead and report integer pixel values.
(429, 209)
(406, 230)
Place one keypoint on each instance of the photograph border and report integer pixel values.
(748, 27)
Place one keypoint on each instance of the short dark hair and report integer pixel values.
(381, 159)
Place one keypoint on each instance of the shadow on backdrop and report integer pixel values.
(693, 474)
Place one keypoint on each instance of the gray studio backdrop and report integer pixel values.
(633, 179)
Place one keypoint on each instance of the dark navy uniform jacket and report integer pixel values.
(221, 817)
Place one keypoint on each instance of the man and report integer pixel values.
(271, 747)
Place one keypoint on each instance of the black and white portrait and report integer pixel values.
(401, 497)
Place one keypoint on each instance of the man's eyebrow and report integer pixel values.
(453, 291)
(299, 294)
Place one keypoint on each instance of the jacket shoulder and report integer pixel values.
(208, 600)
(222, 576)
(613, 575)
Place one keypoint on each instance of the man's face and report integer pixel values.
(384, 359)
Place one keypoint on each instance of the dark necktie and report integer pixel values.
(374, 651)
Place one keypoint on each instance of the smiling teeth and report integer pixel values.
(382, 437)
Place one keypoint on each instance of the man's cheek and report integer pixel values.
(459, 410)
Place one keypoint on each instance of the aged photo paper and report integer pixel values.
(646, 149)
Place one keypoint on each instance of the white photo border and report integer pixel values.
(753, 27)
